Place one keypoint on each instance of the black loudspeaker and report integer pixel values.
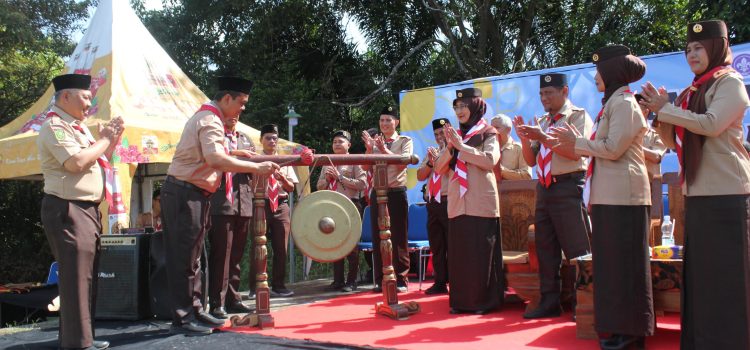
(158, 288)
(122, 292)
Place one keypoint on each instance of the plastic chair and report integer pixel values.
(417, 237)
(52, 276)
(365, 242)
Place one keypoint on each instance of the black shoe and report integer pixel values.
(481, 312)
(349, 287)
(281, 293)
(190, 329)
(436, 289)
(622, 341)
(543, 312)
(377, 289)
(208, 319)
(239, 308)
(100, 344)
(337, 285)
(455, 311)
(220, 313)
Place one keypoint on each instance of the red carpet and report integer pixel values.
(352, 320)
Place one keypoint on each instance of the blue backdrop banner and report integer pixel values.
(518, 94)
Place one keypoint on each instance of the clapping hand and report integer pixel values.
(451, 137)
(564, 136)
(368, 141)
(432, 154)
(653, 99)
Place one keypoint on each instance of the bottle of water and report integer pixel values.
(667, 236)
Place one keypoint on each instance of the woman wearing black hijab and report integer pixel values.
(475, 258)
(704, 126)
(618, 194)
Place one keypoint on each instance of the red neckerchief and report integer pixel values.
(544, 158)
(461, 171)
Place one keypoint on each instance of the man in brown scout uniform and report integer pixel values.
(278, 219)
(73, 166)
(511, 166)
(230, 221)
(560, 220)
(348, 180)
(437, 209)
(391, 143)
(194, 175)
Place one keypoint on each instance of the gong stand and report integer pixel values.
(390, 306)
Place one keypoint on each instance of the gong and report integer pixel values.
(326, 226)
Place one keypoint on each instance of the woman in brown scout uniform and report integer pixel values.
(704, 126)
(475, 258)
(617, 193)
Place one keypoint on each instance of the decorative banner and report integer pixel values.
(518, 94)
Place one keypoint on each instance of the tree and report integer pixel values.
(34, 36)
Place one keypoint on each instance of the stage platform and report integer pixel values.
(317, 318)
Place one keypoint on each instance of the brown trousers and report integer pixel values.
(227, 237)
(186, 220)
(73, 229)
(278, 226)
(562, 225)
(398, 209)
(437, 234)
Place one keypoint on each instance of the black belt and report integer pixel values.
(173, 180)
(397, 189)
(568, 176)
(281, 200)
(443, 199)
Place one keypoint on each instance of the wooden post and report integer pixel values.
(390, 306)
(261, 317)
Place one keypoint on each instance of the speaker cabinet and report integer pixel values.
(122, 290)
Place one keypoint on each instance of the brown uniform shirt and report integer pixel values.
(620, 176)
(725, 165)
(511, 158)
(289, 173)
(481, 199)
(203, 134)
(57, 142)
(352, 181)
(577, 117)
(652, 141)
(402, 145)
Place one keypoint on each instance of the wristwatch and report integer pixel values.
(429, 164)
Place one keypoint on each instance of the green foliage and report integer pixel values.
(34, 38)
(24, 253)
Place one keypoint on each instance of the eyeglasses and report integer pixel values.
(457, 107)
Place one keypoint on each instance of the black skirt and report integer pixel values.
(475, 262)
(623, 296)
(716, 273)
